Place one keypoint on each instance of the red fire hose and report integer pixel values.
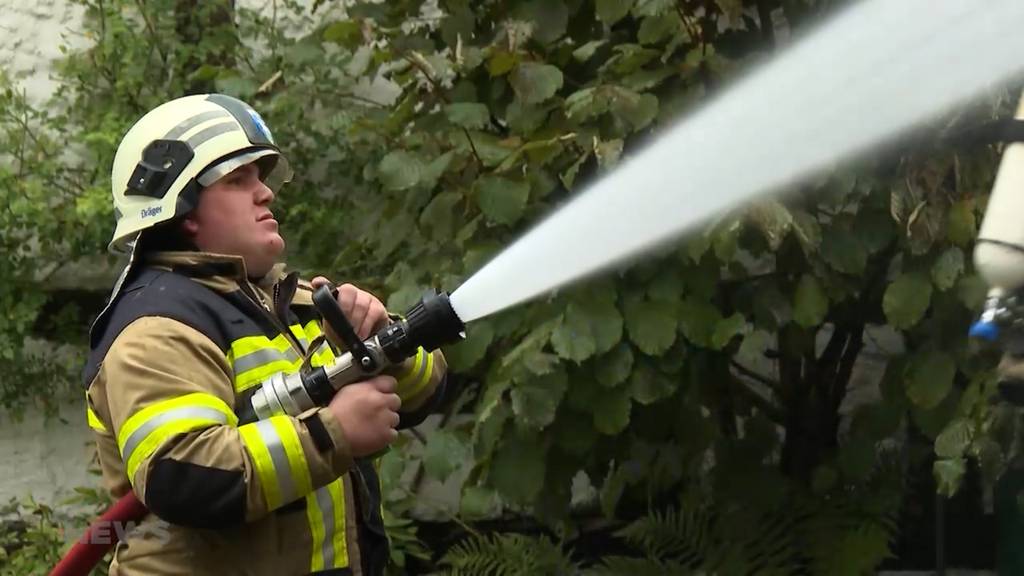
(90, 548)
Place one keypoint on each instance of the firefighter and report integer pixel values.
(202, 314)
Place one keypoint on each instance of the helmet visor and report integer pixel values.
(275, 171)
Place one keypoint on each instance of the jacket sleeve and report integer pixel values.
(170, 403)
(420, 378)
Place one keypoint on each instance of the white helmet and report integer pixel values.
(178, 148)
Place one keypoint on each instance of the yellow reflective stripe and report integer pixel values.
(299, 334)
(279, 459)
(196, 399)
(407, 377)
(94, 421)
(255, 372)
(323, 356)
(252, 377)
(421, 383)
(340, 545)
(263, 463)
(312, 329)
(150, 427)
(325, 510)
(293, 450)
(247, 345)
(316, 528)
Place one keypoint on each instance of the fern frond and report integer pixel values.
(507, 555)
(625, 566)
(670, 534)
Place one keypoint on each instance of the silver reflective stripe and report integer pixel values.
(262, 358)
(159, 420)
(282, 468)
(197, 139)
(194, 121)
(323, 498)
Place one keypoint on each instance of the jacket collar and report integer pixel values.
(219, 272)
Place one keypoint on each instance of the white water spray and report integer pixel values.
(880, 68)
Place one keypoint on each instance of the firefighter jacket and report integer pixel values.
(186, 340)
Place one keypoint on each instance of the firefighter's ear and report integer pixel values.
(190, 224)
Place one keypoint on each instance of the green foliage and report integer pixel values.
(507, 555)
(424, 143)
(34, 536)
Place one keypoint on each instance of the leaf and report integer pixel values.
(652, 7)
(584, 53)
(347, 33)
(648, 385)
(549, 18)
(807, 231)
(517, 468)
(697, 321)
(534, 83)
(961, 227)
(399, 170)
(947, 268)
(611, 410)
(843, 251)
(774, 220)
(568, 177)
(605, 321)
(949, 474)
(501, 63)
(443, 454)
(611, 11)
(438, 216)
(655, 29)
(972, 291)
(651, 326)
(535, 401)
(727, 329)
(810, 304)
(907, 299)
(236, 86)
(524, 119)
(608, 152)
(573, 338)
(929, 378)
(470, 115)
(586, 103)
(954, 440)
(638, 111)
(501, 199)
(613, 368)
(479, 502)
(725, 238)
(467, 353)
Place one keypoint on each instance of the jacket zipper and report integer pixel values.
(278, 323)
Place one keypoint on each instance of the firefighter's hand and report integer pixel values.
(367, 412)
(364, 311)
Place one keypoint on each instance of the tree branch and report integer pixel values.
(420, 64)
(152, 31)
(755, 376)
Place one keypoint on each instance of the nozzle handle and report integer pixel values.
(326, 302)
